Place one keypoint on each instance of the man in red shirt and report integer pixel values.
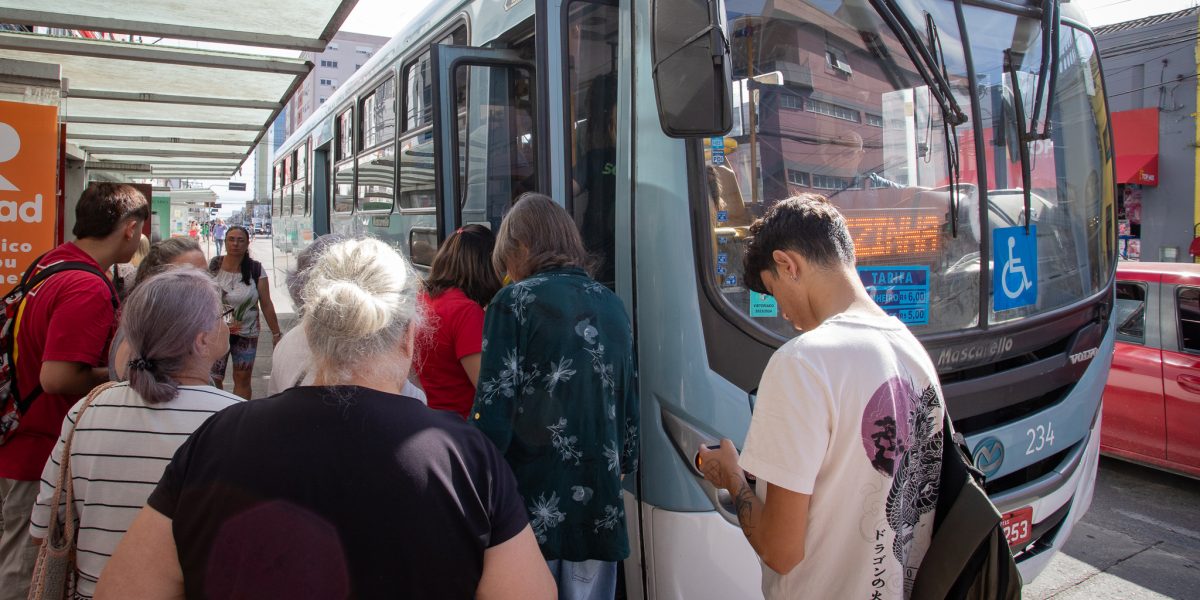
(62, 338)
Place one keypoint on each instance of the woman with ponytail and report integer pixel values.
(174, 326)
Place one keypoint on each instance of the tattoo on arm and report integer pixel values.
(744, 501)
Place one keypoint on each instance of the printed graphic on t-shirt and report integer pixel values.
(909, 451)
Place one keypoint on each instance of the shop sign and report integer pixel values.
(28, 171)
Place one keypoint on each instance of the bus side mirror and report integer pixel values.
(692, 68)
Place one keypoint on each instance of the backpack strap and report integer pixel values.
(28, 283)
(969, 520)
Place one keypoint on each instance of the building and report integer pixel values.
(344, 55)
(1151, 75)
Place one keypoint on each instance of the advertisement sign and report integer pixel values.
(28, 169)
(901, 291)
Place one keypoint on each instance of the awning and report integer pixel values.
(1136, 135)
(186, 112)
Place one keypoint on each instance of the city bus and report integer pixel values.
(967, 142)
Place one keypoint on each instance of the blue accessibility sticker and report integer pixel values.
(1015, 267)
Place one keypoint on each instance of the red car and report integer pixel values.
(1152, 400)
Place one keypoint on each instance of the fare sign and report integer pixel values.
(28, 171)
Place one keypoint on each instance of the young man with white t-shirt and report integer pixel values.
(846, 438)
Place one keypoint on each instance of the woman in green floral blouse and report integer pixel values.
(558, 395)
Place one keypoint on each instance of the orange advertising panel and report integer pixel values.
(28, 169)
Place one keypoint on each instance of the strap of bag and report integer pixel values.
(28, 283)
(961, 528)
(65, 529)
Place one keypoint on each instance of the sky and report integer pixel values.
(387, 17)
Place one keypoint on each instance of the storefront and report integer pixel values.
(1136, 137)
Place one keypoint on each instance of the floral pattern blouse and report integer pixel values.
(558, 395)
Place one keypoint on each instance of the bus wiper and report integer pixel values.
(948, 129)
(1010, 67)
(923, 60)
(1046, 84)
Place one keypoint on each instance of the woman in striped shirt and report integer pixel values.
(175, 327)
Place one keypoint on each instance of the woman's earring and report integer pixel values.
(795, 277)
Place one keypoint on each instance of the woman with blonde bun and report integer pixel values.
(343, 489)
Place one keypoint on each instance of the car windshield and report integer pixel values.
(826, 100)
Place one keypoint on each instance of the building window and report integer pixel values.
(833, 110)
(364, 50)
(322, 100)
(831, 182)
(332, 46)
(329, 63)
(799, 178)
(357, 67)
(326, 82)
(874, 120)
(835, 59)
(790, 101)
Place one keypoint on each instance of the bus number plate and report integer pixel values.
(1018, 526)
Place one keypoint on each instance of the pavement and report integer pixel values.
(1139, 540)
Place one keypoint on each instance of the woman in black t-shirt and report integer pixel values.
(343, 489)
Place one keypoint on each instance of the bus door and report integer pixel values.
(488, 150)
(319, 206)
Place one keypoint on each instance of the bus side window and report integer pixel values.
(343, 171)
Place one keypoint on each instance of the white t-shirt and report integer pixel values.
(291, 366)
(117, 457)
(851, 414)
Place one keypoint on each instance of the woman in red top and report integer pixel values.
(461, 282)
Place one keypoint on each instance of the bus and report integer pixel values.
(967, 142)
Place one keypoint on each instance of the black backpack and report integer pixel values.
(12, 406)
(968, 557)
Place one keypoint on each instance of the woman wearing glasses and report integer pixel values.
(244, 287)
(130, 431)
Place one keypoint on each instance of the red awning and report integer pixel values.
(1136, 135)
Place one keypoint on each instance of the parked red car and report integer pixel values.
(1152, 400)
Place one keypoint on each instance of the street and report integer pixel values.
(1140, 539)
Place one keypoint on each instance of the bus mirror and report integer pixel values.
(692, 68)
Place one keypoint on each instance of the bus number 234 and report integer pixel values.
(1040, 437)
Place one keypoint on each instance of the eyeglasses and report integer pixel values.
(227, 314)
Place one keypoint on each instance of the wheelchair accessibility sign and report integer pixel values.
(1014, 274)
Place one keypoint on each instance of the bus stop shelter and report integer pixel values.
(139, 104)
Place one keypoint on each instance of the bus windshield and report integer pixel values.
(827, 100)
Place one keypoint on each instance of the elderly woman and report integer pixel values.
(344, 489)
(558, 394)
(167, 397)
(171, 252)
(291, 361)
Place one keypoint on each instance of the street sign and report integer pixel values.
(1015, 274)
(237, 186)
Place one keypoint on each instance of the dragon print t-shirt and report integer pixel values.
(851, 414)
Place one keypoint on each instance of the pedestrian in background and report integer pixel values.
(292, 360)
(460, 285)
(245, 288)
(162, 255)
(343, 490)
(558, 395)
(846, 436)
(167, 397)
(218, 232)
(62, 341)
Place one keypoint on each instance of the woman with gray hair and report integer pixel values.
(291, 361)
(344, 489)
(130, 431)
(172, 252)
